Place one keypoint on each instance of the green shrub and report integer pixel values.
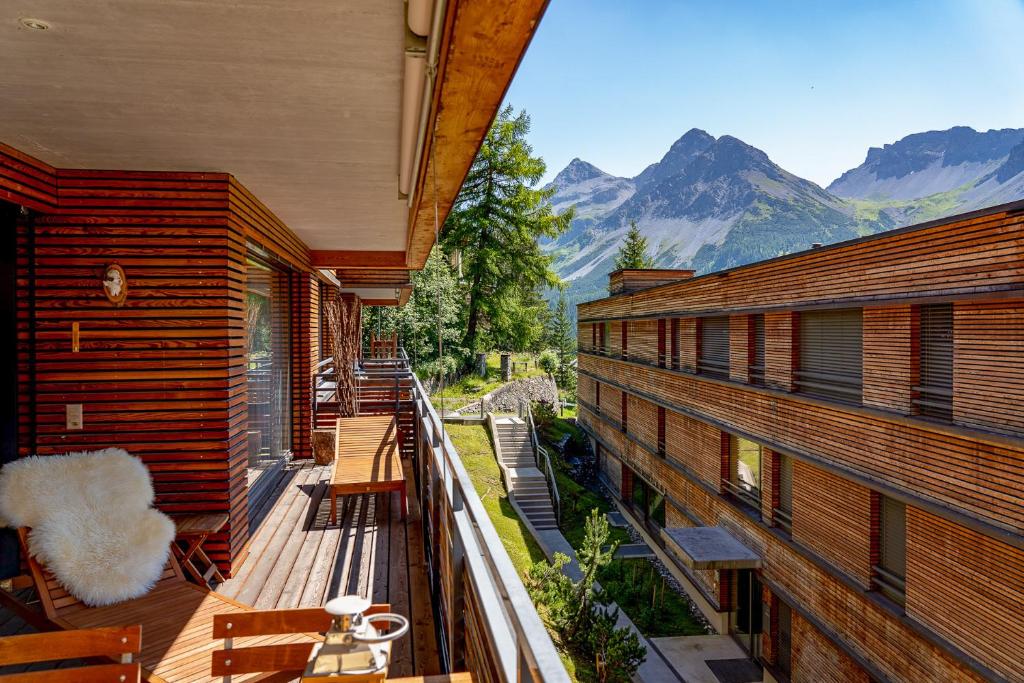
(548, 361)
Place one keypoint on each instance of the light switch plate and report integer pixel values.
(74, 415)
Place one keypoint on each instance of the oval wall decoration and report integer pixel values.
(115, 284)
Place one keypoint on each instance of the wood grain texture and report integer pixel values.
(162, 376)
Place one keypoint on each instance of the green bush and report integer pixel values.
(548, 361)
(575, 609)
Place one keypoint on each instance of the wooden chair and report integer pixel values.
(282, 661)
(176, 615)
(118, 644)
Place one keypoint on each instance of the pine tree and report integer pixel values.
(633, 252)
(496, 222)
(561, 338)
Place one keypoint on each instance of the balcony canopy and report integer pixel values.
(312, 105)
(710, 547)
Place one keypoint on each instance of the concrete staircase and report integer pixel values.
(526, 483)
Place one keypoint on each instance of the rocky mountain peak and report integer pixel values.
(682, 152)
(576, 172)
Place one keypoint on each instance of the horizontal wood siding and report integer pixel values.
(988, 364)
(27, 181)
(695, 445)
(780, 350)
(866, 627)
(968, 588)
(739, 348)
(643, 341)
(643, 421)
(613, 344)
(889, 357)
(976, 255)
(688, 344)
(982, 479)
(816, 660)
(163, 375)
(832, 517)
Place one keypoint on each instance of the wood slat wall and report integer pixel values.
(834, 519)
(163, 376)
(980, 479)
(874, 632)
(979, 602)
(643, 340)
(889, 352)
(976, 254)
(815, 658)
(988, 364)
(739, 348)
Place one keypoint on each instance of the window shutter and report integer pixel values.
(675, 343)
(661, 431)
(714, 346)
(624, 327)
(831, 354)
(786, 484)
(757, 349)
(936, 344)
(624, 411)
(661, 342)
(894, 537)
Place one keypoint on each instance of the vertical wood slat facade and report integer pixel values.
(958, 479)
(164, 375)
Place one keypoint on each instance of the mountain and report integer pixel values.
(710, 203)
(926, 164)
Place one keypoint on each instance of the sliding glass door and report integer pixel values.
(267, 366)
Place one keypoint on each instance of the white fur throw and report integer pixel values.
(92, 524)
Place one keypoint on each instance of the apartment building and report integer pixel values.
(827, 447)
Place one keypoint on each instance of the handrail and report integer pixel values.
(504, 602)
(546, 469)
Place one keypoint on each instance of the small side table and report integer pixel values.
(194, 530)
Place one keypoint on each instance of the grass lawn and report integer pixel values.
(474, 386)
(474, 446)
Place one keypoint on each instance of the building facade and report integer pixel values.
(827, 447)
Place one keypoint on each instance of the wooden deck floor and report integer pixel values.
(296, 559)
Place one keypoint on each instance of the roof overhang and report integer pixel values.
(305, 103)
(710, 547)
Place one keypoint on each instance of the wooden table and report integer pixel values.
(194, 530)
(367, 459)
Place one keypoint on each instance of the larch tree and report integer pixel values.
(633, 252)
(496, 223)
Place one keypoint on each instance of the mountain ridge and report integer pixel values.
(711, 203)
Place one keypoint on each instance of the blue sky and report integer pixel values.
(812, 83)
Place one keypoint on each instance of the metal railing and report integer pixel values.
(750, 497)
(889, 584)
(543, 460)
(487, 623)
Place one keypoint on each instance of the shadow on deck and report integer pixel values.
(296, 559)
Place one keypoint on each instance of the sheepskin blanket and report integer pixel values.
(91, 520)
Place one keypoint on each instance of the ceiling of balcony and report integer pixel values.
(300, 100)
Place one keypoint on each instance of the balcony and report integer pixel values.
(442, 565)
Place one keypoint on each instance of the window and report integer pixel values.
(675, 343)
(624, 327)
(648, 503)
(661, 343)
(784, 640)
(890, 574)
(935, 341)
(268, 365)
(593, 336)
(597, 397)
(713, 359)
(744, 482)
(606, 336)
(661, 431)
(830, 350)
(624, 411)
(755, 346)
(782, 472)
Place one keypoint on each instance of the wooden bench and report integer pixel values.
(117, 644)
(367, 460)
(176, 616)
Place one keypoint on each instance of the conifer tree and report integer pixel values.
(633, 252)
(496, 223)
